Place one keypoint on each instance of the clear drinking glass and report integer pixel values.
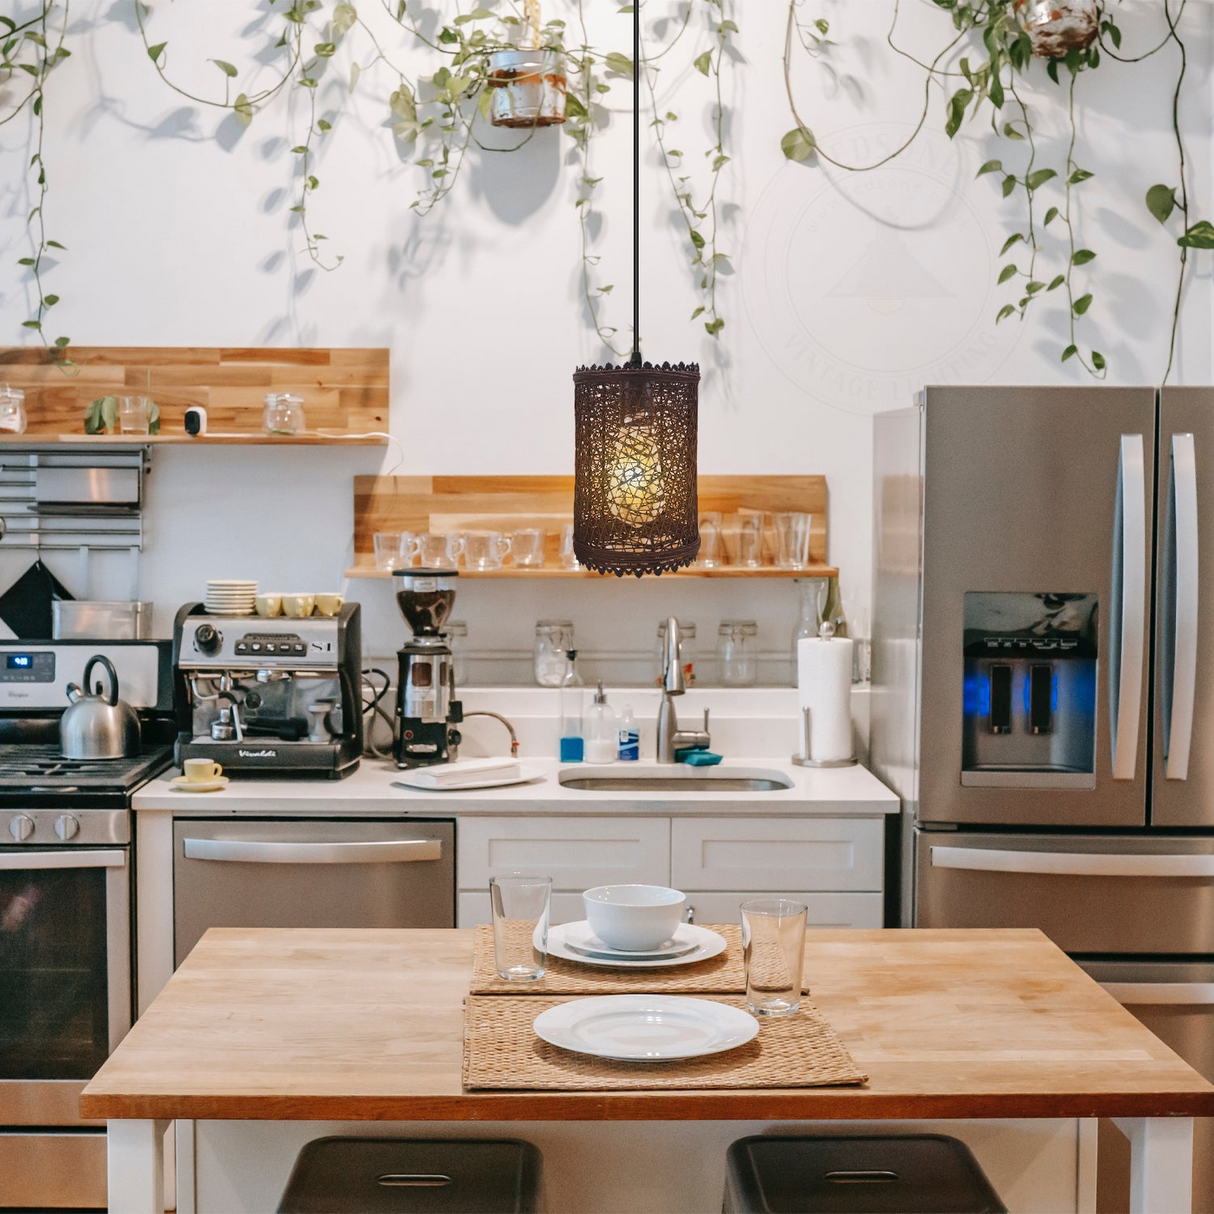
(736, 652)
(134, 414)
(712, 543)
(792, 540)
(439, 551)
(485, 549)
(520, 925)
(750, 539)
(773, 950)
(528, 548)
(12, 410)
(553, 640)
(568, 556)
(394, 549)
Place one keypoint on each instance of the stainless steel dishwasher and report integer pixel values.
(310, 872)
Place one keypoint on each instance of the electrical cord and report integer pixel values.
(375, 709)
(400, 451)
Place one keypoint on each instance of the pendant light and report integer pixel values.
(635, 508)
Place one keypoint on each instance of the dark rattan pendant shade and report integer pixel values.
(634, 496)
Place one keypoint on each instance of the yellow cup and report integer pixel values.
(199, 771)
(329, 604)
(268, 604)
(298, 606)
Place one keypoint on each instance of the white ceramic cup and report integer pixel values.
(330, 604)
(268, 604)
(298, 606)
(201, 771)
(633, 917)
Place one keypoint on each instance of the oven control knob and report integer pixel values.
(66, 827)
(21, 827)
(208, 638)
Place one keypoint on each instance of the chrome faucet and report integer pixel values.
(670, 737)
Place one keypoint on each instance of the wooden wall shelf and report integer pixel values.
(509, 503)
(29, 439)
(345, 391)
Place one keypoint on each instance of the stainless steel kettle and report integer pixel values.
(96, 726)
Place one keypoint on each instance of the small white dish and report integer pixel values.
(646, 1028)
(634, 918)
(581, 938)
(214, 784)
(708, 944)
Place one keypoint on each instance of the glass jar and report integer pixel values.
(12, 409)
(553, 640)
(737, 652)
(455, 633)
(283, 414)
(687, 650)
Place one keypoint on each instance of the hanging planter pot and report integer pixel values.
(528, 88)
(1056, 27)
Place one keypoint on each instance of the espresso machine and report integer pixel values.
(275, 696)
(427, 711)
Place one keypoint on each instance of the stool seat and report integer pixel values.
(856, 1174)
(413, 1176)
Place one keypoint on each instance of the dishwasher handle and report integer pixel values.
(266, 851)
(1144, 994)
(1071, 864)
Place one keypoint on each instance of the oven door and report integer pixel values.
(65, 977)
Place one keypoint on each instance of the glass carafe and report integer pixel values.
(553, 640)
(811, 594)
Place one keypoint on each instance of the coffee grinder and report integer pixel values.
(427, 711)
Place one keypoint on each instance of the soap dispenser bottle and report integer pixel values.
(572, 744)
(600, 730)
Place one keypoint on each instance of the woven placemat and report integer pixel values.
(722, 974)
(502, 1051)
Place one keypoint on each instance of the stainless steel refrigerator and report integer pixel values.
(1043, 683)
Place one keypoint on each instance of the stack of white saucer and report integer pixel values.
(229, 596)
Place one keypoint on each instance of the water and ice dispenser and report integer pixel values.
(1029, 703)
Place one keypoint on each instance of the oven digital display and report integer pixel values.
(20, 661)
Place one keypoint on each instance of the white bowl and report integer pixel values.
(633, 917)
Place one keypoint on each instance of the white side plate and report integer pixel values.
(646, 1028)
(580, 937)
(708, 944)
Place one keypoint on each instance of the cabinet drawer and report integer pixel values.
(576, 853)
(825, 910)
(778, 853)
(473, 907)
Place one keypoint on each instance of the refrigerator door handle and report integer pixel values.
(1071, 864)
(1179, 656)
(1142, 994)
(1129, 606)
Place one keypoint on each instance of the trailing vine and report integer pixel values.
(34, 48)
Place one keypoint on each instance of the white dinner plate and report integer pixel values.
(708, 944)
(581, 938)
(646, 1028)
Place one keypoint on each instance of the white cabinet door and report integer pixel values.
(576, 853)
(825, 910)
(778, 853)
(473, 907)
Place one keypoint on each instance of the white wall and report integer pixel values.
(850, 292)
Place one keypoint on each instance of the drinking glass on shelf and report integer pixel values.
(528, 548)
(394, 549)
(568, 556)
(12, 410)
(792, 540)
(134, 414)
(485, 549)
(712, 544)
(773, 951)
(439, 551)
(750, 539)
(521, 905)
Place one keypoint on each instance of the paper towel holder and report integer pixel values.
(826, 630)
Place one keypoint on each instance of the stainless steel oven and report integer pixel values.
(65, 999)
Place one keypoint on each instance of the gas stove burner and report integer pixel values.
(39, 768)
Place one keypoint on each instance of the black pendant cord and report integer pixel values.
(635, 361)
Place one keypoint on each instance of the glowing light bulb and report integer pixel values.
(636, 494)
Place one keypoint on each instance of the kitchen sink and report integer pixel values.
(677, 778)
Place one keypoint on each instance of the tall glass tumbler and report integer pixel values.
(521, 904)
(792, 540)
(773, 950)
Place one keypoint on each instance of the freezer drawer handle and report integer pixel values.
(264, 851)
(77, 858)
(1128, 625)
(1071, 864)
(1181, 582)
(1140, 994)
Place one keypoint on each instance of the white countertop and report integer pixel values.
(824, 792)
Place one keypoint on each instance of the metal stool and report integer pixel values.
(856, 1174)
(413, 1176)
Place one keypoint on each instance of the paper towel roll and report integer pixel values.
(824, 687)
